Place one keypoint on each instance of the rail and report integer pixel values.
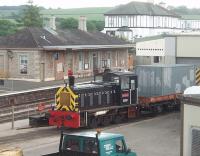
(14, 113)
(21, 105)
(27, 97)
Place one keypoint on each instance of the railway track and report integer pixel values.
(23, 104)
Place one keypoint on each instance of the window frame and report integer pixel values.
(21, 57)
(70, 138)
(93, 147)
(156, 59)
(123, 146)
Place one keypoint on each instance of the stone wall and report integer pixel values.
(12, 64)
(53, 65)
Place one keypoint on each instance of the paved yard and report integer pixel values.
(159, 136)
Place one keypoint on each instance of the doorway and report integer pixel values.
(95, 63)
(42, 72)
(2, 66)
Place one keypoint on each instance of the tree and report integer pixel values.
(72, 23)
(69, 23)
(7, 27)
(91, 26)
(99, 25)
(31, 16)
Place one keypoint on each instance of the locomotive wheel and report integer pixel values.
(159, 109)
(92, 123)
(105, 121)
(117, 119)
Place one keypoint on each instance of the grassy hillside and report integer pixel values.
(90, 13)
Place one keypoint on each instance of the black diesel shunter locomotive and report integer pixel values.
(112, 99)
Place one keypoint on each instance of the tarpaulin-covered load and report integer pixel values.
(160, 80)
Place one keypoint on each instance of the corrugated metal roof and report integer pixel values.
(156, 37)
(141, 8)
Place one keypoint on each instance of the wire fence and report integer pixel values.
(14, 113)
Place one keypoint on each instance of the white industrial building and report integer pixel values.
(169, 49)
(140, 19)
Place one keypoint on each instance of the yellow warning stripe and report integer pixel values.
(73, 104)
(72, 93)
(198, 77)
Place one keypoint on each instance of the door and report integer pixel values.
(125, 90)
(133, 90)
(120, 148)
(95, 63)
(42, 71)
(1, 65)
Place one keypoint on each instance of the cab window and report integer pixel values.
(90, 146)
(119, 146)
(124, 83)
(72, 145)
(132, 84)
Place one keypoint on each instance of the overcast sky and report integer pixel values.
(94, 3)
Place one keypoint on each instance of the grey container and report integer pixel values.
(159, 80)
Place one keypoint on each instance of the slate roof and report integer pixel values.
(30, 38)
(141, 8)
(78, 37)
(40, 37)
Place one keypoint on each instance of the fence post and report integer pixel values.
(12, 104)
(28, 111)
(13, 117)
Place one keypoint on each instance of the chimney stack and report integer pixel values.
(52, 22)
(82, 25)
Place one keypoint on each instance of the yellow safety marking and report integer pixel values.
(198, 77)
(73, 106)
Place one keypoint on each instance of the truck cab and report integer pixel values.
(93, 144)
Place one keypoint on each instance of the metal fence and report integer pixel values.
(18, 112)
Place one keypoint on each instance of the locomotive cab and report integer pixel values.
(127, 86)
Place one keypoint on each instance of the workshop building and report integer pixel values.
(169, 49)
